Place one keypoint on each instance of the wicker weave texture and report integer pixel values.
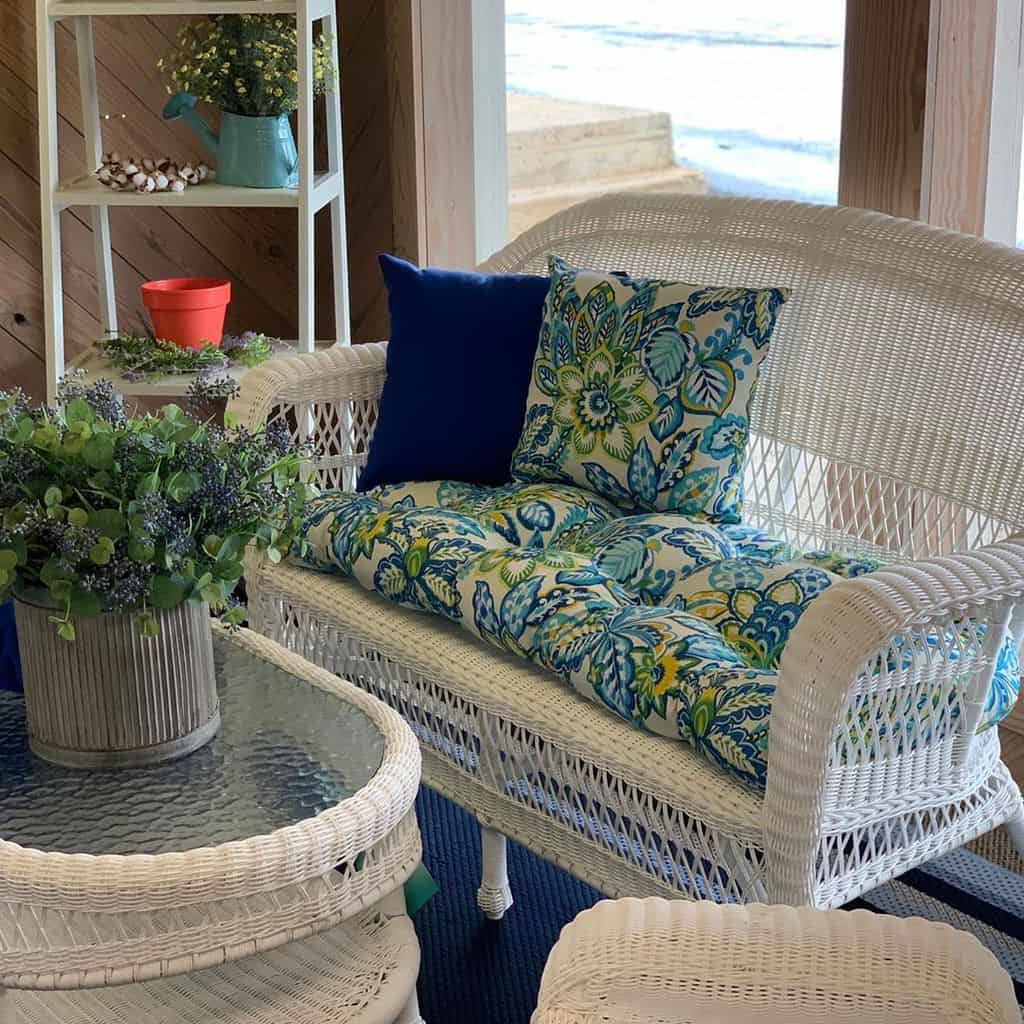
(875, 430)
(659, 962)
(889, 360)
(82, 921)
(362, 972)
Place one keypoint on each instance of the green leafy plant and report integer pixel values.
(140, 357)
(102, 511)
(244, 63)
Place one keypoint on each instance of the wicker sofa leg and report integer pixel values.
(494, 896)
(1015, 828)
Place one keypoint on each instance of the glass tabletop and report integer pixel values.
(286, 751)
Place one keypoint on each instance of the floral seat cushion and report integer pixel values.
(674, 623)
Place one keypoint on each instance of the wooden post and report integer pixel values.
(405, 104)
(958, 112)
(933, 97)
(884, 84)
(446, 42)
(448, 153)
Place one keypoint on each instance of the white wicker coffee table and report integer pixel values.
(257, 880)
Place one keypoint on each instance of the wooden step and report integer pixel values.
(532, 205)
(557, 142)
(561, 152)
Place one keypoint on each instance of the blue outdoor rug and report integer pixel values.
(476, 971)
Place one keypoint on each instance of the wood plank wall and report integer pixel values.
(254, 248)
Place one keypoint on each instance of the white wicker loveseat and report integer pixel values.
(886, 422)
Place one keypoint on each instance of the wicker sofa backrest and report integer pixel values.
(887, 417)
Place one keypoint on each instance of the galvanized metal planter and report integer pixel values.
(111, 697)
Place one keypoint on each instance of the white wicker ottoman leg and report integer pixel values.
(6, 1008)
(494, 896)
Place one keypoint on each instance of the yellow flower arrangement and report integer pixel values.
(244, 63)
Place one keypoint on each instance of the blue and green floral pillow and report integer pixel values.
(640, 390)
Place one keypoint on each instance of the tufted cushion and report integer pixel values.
(641, 389)
(541, 515)
(672, 622)
(651, 554)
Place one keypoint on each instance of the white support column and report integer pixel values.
(93, 157)
(490, 132)
(494, 896)
(53, 290)
(1002, 191)
(307, 318)
(336, 168)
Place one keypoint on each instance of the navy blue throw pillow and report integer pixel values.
(458, 369)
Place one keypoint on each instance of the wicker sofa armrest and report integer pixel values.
(656, 960)
(881, 689)
(330, 396)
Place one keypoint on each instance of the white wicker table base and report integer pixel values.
(362, 972)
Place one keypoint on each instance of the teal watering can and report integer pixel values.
(257, 152)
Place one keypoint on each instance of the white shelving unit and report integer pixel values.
(315, 191)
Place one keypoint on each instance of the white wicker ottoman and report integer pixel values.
(656, 961)
(257, 881)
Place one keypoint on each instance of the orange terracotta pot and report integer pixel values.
(188, 310)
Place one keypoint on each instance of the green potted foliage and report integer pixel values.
(118, 535)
